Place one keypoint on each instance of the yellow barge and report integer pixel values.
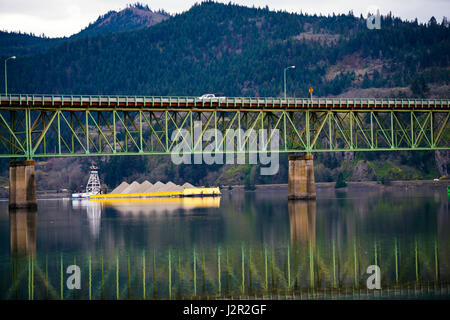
(188, 192)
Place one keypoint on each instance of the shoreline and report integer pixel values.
(351, 186)
(355, 185)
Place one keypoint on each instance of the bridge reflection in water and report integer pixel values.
(305, 267)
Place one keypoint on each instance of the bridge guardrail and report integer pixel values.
(233, 102)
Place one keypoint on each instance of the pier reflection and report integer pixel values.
(22, 224)
(302, 221)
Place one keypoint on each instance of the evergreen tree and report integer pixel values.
(340, 182)
(419, 87)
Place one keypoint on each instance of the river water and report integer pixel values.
(240, 245)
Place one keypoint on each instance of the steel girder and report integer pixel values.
(66, 131)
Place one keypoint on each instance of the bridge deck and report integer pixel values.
(231, 103)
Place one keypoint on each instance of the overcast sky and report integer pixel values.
(65, 17)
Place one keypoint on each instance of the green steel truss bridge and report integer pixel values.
(33, 126)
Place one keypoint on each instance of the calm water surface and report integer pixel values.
(241, 245)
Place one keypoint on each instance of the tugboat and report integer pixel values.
(93, 186)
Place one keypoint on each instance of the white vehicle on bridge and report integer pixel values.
(211, 96)
(207, 96)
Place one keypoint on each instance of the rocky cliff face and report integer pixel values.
(363, 172)
(442, 158)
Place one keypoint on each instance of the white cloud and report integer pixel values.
(66, 17)
(53, 17)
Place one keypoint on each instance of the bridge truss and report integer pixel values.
(34, 126)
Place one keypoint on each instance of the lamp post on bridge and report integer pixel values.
(285, 69)
(6, 74)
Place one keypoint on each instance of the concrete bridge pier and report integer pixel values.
(22, 185)
(301, 185)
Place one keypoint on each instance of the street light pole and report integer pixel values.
(6, 75)
(285, 69)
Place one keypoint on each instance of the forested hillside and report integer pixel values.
(20, 44)
(233, 50)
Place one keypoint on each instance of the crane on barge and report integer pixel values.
(93, 186)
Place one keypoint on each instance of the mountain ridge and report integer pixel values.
(133, 17)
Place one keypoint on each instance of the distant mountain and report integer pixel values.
(132, 18)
